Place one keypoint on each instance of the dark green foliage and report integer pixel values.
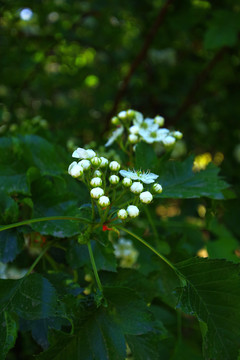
(212, 293)
(64, 73)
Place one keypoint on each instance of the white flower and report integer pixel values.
(136, 187)
(97, 173)
(146, 178)
(132, 211)
(177, 134)
(96, 181)
(85, 164)
(96, 161)
(134, 129)
(115, 134)
(151, 134)
(159, 120)
(127, 182)
(114, 166)
(146, 197)
(169, 140)
(122, 214)
(81, 153)
(138, 118)
(157, 188)
(104, 162)
(96, 192)
(104, 201)
(133, 139)
(75, 170)
(114, 179)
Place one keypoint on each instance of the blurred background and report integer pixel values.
(68, 66)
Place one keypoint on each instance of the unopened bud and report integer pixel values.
(96, 192)
(115, 120)
(104, 162)
(122, 214)
(177, 134)
(157, 188)
(136, 187)
(97, 173)
(159, 120)
(85, 164)
(127, 182)
(75, 170)
(169, 140)
(90, 153)
(96, 181)
(146, 197)
(114, 179)
(104, 201)
(96, 161)
(132, 211)
(114, 166)
(133, 139)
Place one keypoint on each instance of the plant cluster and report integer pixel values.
(92, 258)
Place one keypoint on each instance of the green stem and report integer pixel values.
(151, 248)
(94, 266)
(30, 221)
(93, 212)
(151, 222)
(46, 248)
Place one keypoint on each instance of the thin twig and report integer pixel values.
(201, 78)
(139, 58)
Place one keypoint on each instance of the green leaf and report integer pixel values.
(223, 30)
(8, 209)
(11, 244)
(145, 157)
(129, 310)
(8, 333)
(32, 297)
(99, 338)
(179, 181)
(78, 256)
(225, 245)
(212, 293)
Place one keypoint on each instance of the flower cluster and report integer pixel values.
(106, 188)
(126, 253)
(140, 129)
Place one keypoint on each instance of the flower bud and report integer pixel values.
(127, 182)
(104, 162)
(115, 120)
(146, 197)
(85, 164)
(134, 129)
(169, 140)
(97, 173)
(96, 181)
(114, 166)
(104, 201)
(136, 187)
(133, 139)
(159, 120)
(96, 161)
(122, 115)
(96, 192)
(75, 170)
(122, 214)
(114, 179)
(132, 211)
(177, 134)
(90, 153)
(130, 113)
(157, 188)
